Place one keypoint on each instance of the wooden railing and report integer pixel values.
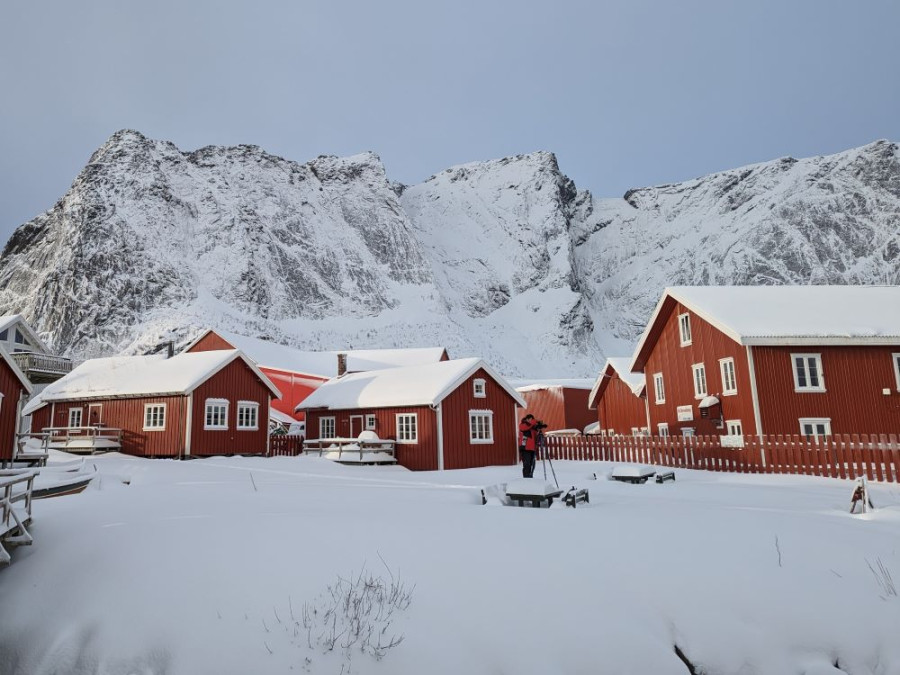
(348, 446)
(13, 521)
(877, 457)
(32, 363)
(100, 437)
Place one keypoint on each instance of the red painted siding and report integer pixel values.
(12, 390)
(559, 407)
(212, 341)
(708, 346)
(618, 408)
(235, 382)
(853, 400)
(294, 388)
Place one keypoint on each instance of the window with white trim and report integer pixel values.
(248, 415)
(699, 371)
(684, 329)
(74, 417)
(814, 427)
(659, 389)
(154, 416)
(897, 369)
(407, 428)
(734, 427)
(479, 390)
(662, 428)
(729, 381)
(808, 375)
(481, 426)
(634, 431)
(327, 427)
(370, 422)
(216, 416)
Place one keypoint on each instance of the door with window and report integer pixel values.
(95, 414)
(356, 425)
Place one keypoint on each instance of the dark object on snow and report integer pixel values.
(536, 501)
(575, 496)
(664, 476)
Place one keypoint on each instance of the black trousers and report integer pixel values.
(528, 457)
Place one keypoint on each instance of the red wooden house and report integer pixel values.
(447, 415)
(189, 405)
(298, 373)
(560, 404)
(619, 397)
(811, 360)
(14, 388)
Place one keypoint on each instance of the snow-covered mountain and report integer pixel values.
(503, 259)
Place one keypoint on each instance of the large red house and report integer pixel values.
(810, 360)
(448, 415)
(619, 397)
(298, 373)
(14, 388)
(189, 405)
(560, 404)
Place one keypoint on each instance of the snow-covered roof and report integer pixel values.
(786, 315)
(426, 384)
(7, 321)
(568, 383)
(128, 376)
(16, 370)
(324, 364)
(280, 417)
(622, 366)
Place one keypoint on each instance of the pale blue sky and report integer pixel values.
(626, 93)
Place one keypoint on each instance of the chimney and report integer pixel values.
(342, 364)
(170, 349)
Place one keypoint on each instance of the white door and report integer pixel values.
(356, 425)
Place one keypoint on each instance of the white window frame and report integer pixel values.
(663, 429)
(730, 425)
(820, 387)
(478, 439)
(154, 422)
(215, 403)
(479, 388)
(80, 412)
(896, 357)
(247, 406)
(825, 421)
(327, 422)
(659, 388)
(699, 368)
(723, 373)
(370, 422)
(684, 329)
(403, 430)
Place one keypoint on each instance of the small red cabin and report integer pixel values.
(454, 414)
(14, 387)
(189, 405)
(619, 397)
(560, 404)
(808, 360)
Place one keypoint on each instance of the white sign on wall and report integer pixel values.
(685, 413)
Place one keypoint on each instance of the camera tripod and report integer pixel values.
(545, 456)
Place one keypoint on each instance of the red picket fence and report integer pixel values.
(285, 446)
(877, 457)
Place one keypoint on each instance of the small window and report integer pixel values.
(370, 422)
(481, 426)
(663, 428)
(407, 428)
(216, 414)
(687, 432)
(20, 339)
(154, 416)
(729, 381)
(699, 380)
(734, 428)
(658, 388)
(635, 431)
(4, 334)
(74, 418)
(327, 427)
(815, 427)
(248, 415)
(808, 375)
(684, 326)
(479, 390)
(897, 369)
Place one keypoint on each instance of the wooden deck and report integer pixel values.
(352, 450)
(15, 509)
(83, 439)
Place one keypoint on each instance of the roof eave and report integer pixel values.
(818, 340)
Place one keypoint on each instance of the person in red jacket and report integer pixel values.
(528, 433)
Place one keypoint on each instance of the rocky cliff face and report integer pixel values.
(503, 259)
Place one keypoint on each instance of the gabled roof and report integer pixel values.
(135, 376)
(7, 321)
(784, 315)
(324, 364)
(427, 384)
(20, 376)
(621, 366)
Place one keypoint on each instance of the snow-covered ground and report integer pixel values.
(206, 567)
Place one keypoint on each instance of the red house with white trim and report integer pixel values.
(454, 414)
(189, 405)
(619, 397)
(811, 360)
(14, 388)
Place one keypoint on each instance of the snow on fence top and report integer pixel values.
(126, 376)
(426, 384)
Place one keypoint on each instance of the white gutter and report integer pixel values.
(757, 418)
(439, 413)
(189, 422)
